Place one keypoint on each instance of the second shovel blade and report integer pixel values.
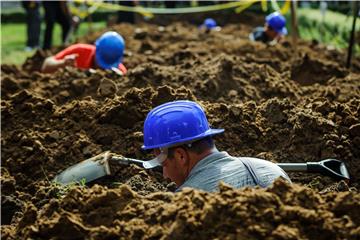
(87, 170)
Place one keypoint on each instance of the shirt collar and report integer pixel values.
(205, 161)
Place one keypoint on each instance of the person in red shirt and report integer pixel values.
(107, 53)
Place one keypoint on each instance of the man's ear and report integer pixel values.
(182, 156)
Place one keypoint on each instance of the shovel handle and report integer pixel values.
(127, 161)
(293, 167)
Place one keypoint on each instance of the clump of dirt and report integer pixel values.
(274, 103)
(311, 71)
(35, 62)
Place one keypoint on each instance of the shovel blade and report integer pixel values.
(87, 170)
(330, 167)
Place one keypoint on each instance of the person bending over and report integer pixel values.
(107, 53)
(274, 29)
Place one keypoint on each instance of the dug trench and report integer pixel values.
(274, 103)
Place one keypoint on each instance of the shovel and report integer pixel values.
(99, 166)
(329, 167)
(107, 164)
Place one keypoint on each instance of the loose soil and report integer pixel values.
(274, 102)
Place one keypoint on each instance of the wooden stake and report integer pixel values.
(355, 8)
(294, 25)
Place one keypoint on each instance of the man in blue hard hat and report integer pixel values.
(180, 136)
(274, 29)
(209, 24)
(107, 53)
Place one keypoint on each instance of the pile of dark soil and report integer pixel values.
(280, 212)
(275, 103)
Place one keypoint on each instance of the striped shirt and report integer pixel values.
(220, 166)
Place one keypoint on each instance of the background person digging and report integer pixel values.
(274, 29)
(107, 53)
(179, 135)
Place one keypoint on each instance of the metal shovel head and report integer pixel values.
(87, 170)
(330, 167)
(100, 166)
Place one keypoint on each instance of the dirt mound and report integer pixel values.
(311, 71)
(280, 212)
(274, 104)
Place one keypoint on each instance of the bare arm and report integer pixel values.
(51, 64)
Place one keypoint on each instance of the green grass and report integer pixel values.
(331, 18)
(13, 40)
(333, 30)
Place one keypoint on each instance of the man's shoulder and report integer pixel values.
(259, 29)
(77, 48)
(263, 165)
(258, 34)
(82, 49)
(84, 46)
(257, 161)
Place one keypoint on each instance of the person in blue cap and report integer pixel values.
(107, 53)
(179, 135)
(274, 29)
(209, 24)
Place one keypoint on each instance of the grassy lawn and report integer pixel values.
(13, 40)
(333, 30)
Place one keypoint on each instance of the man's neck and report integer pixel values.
(195, 158)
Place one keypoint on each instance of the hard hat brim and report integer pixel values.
(207, 27)
(209, 132)
(282, 31)
(105, 65)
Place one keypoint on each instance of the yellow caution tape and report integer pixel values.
(115, 7)
(75, 11)
(286, 7)
(77, 8)
(96, 4)
(197, 9)
(264, 5)
(245, 5)
(149, 12)
(275, 5)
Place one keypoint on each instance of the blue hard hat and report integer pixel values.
(175, 123)
(109, 50)
(209, 23)
(277, 22)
